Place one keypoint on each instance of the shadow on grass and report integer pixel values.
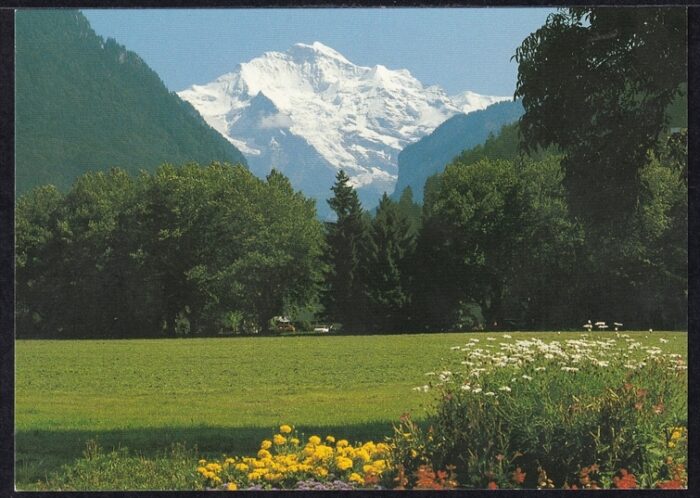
(40, 453)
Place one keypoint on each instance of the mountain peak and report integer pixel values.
(317, 48)
(325, 113)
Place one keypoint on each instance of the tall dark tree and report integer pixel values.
(344, 298)
(597, 82)
(410, 210)
(390, 247)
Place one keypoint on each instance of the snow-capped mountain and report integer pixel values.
(309, 112)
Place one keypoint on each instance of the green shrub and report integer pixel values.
(119, 470)
(535, 414)
(303, 326)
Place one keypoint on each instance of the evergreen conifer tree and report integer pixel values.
(390, 244)
(344, 298)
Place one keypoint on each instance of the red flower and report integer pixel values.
(492, 485)
(625, 480)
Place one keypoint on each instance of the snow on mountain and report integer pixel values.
(469, 101)
(309, 112)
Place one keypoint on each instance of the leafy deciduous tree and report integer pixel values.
(597, 82)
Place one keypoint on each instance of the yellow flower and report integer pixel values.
(355, 477)
(315, 440)
(231, 486)
(342, 443)
(380, 465)
(321, 471)
(294, 441)
(242, 467)
(676, 434)
(264, 454)
(202, 470)
(330, 439)
(213, 467)
(285, 429)
(279, 439)
(343, 463)
(363, 454)
(202, 462)
(414, 453)
(266, 444)
(323, 452)
(382, 448)
(230, 461)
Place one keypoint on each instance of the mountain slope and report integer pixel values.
(309, 112)
(431, 154)
(83, 103)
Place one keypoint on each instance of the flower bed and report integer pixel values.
(574, 414)
(285, 462)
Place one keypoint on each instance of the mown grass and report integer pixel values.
(223, 395)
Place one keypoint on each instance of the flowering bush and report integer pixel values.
(283, 462)
(578, 414)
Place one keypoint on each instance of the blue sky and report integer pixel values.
(458, 49)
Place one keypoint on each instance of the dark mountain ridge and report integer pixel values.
(84, 103)
(422, 159)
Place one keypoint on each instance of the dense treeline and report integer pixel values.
(183, 251)
(202, 250)
(498, 247)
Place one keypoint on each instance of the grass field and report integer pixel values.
(225, 395)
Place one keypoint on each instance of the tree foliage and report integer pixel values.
(185, 250)
(597, 82)
(497, 235)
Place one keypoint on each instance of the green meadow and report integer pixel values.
(223, 395)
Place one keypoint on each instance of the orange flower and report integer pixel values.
(492, 485)
(625, 480)
(518, 476)
(426, 478)
(672, 484)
